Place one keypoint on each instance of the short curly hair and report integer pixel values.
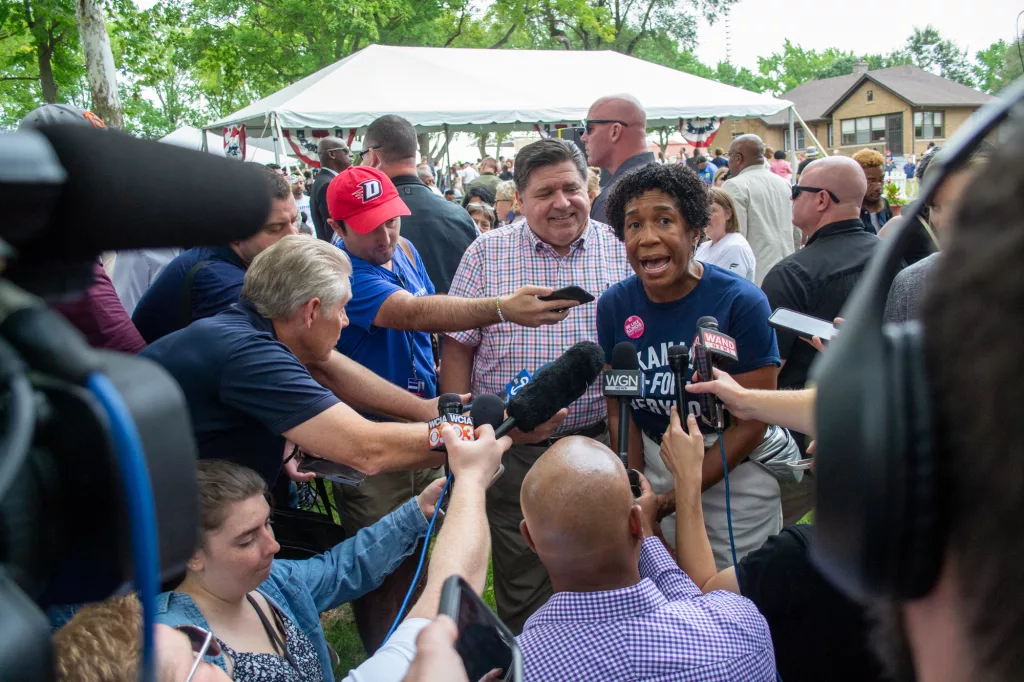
(676, 180)
(869, 158)
(100, 643)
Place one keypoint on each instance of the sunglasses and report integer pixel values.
(804, 188)
(204, 644)
(363, 152)
(590, 123)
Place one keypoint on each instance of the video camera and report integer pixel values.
(97, 460)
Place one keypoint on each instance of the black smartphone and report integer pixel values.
(802, 325)
(572, 293)
(485, 644)
(634, 483)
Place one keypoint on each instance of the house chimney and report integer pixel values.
(860, 67)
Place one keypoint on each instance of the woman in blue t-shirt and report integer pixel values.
(659, 212)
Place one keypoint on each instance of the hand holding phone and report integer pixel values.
(802, 325)
(572, 293)
(487, 647)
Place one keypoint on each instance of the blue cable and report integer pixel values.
(728, 503)
(423, 557)
(141, 509)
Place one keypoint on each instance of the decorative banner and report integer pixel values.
(234, 142)
(699, 132)
(303, 142)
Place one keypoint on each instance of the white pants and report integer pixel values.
(754, 500)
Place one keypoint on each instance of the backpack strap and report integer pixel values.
(185, 311)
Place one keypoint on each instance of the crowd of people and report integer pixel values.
(374, 286)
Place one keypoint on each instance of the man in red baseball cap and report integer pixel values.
(392, 313)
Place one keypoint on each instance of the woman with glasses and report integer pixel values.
(264, 613)
(659, 212)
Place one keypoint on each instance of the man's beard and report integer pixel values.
(888, 639)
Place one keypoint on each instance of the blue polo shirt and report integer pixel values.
(215, 288)
(624, 313)
(244, 388)
(404, 358)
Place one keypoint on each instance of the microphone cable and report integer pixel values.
(423, 557)
(141, 510)
(728, 502)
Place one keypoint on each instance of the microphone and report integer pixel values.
(556, 386)
(678, 360)
(711, 348)
(72, 203)
(488, 408)
(623, 381)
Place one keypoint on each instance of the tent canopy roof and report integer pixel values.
(538, 86)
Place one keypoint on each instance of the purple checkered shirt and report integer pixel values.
(501, 261)
(661, 629)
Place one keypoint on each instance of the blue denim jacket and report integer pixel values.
(303, 589)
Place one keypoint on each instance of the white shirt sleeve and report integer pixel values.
(738, 257)
(392, 661)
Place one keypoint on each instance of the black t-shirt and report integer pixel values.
(818, 633)
(803, 164)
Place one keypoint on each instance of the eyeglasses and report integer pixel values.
(590, 123)
(203, 644)
(363, 152)
(804, 188)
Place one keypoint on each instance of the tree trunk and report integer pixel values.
(99, 63)
(481, 144)
(46, 75)
(423, 141)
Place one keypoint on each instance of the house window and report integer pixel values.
(801, 139)
(865, 130)
(928, 124)
(831, 142)
(871, 95)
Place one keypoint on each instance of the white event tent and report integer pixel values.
(257, 150)
(538, 87)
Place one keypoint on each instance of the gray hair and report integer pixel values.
(298, 268)
(424, 172)
(547, 152)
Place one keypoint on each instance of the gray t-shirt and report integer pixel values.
(908, 289)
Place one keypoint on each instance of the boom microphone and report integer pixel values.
(556, 386)
(85, 190)
(623, 381)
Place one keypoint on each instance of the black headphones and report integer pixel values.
(879, 528)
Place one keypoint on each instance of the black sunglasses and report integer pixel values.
(204, 644)
(804, 188)
(362, 152)
(590, 123)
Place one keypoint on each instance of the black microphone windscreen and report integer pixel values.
(126, 193)
(624, 356)
(449, 403)
(556, 386)
(707, 321)
(678, 350)
(487, 409)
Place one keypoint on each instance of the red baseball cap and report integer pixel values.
(364, 198)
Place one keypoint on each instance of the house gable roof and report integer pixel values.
(816, 100)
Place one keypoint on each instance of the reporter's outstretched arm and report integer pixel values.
(789, 409)
(364, 391)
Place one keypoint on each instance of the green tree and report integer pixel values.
(998, 65)
(928, 50)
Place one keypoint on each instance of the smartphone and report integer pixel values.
(332, 471)
(634, 483)
(573, 293)
(802, 325)
(484, 643)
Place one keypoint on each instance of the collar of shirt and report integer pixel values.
(407, 180)
(641, 159)
(839, 227)
(263, 324)
(596, 607)
(754, 168)
(535, 243)
(226, 253)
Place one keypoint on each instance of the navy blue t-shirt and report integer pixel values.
(404, 358)
(244, 388)
(215, 288)
(624, 313)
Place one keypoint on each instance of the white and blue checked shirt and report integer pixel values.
(501, 261)
(661, 629)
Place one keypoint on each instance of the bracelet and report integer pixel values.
(497, 304)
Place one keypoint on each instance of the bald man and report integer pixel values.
(616, 140)
(622, 609)
(762, 205)
(817, 279)
(334, 157)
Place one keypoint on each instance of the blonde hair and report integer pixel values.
(869, 158)
(298, 268)
(593, 182)
(719, 173)
(724, 199)
(100, 643)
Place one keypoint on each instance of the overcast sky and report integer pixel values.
(759, 27)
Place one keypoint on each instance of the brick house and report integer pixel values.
(901, 109)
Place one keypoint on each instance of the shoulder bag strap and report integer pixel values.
(185, 309)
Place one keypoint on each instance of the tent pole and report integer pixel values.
(277, 139)
(792, 145)
(202, 145)
(447, 158)
(800, 120)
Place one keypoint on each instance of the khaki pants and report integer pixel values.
(521, 583)
(361, 506)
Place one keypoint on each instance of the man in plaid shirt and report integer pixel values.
(556, 245)
(622, 609)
